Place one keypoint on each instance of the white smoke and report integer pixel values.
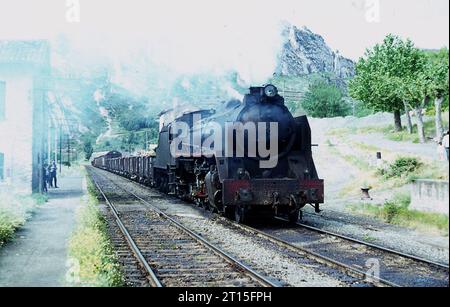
(180, 37)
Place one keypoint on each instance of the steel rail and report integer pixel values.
(154, 281)
(374, 246)
(377, 281)
(224, 255)
(349, 269)
(346, 267)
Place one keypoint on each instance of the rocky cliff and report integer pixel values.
(305, 52)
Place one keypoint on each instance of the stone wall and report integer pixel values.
(430, 196)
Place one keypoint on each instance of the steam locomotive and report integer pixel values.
(241, 159)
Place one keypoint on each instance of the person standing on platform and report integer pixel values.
(445, 143)
(53, 170)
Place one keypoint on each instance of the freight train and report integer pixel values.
(219, 159)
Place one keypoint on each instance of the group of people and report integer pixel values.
(49, 176)
(443, 147)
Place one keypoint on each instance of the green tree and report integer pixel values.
(437, 73)
(415, 91)
(380, 73)
(429, 83)
(88, 149)
(325, 100)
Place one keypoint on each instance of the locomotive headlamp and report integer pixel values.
(270, 90)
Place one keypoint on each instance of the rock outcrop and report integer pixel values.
(305, 52)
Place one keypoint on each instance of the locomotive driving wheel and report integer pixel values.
(206, 205)
(240, 214)
(293, 216)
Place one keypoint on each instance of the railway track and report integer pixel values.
(364, 276)
(376, 264)
(134, 274)
(376, 247)
(169, 253)
(368, 262)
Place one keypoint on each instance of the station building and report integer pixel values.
(24, 75)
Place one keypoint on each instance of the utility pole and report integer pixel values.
(60, 149)
(146, 140)
(354, 107)
(68, 150)
(49, 143)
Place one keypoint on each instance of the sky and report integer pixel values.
(195, 35)
(343, 23)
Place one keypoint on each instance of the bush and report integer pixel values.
(91, 247)
(396, 211)
(325, 100)
(8, 224)
(396, 207)
(360, 109)
(14, 211)
(401, 168)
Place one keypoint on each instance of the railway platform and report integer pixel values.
(37, 256)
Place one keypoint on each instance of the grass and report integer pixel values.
(402, 167)
(358, 162)
(404, 136)
(365, 147)
(401, 170)
(15, 210)
(91, 247)
(396, 211)
(365, 174)
(369, 238)
(354, 160)
(379, 182)
(422, 170)
(390, 133)
(407, 169)
(341, 132)
(391, 175)
(429, 171)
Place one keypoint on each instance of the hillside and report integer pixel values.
(113, 114)
(305, 53)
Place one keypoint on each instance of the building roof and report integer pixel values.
(33, 52)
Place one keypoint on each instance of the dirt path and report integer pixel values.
(336, 172)
(37, 256)
(426, 151)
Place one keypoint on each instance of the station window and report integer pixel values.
(2, 99)
(2, 166)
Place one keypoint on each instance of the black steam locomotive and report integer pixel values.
(224, 159)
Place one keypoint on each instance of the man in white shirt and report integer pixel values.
(445, 143)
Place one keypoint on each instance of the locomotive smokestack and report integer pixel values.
(263, 94)
(267, 90)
